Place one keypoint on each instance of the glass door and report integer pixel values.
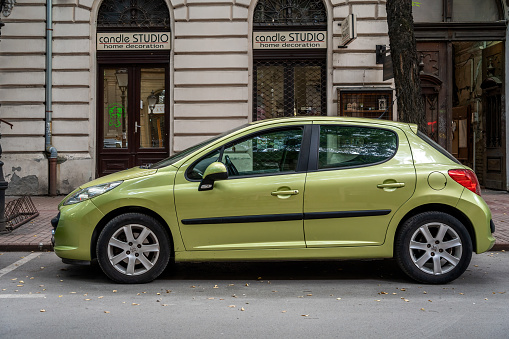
(133, 117)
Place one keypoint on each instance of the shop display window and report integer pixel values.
(373, 104)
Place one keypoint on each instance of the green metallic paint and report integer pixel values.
(353, 189)
(166, 191)
(75, 229)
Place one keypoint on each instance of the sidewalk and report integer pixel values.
(36, 234)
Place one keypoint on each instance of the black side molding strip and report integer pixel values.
(243, 219)
(284, 217)
(345, 214)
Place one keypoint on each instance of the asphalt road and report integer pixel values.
(44, 298)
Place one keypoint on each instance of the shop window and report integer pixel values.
(456, 11)
(289, 59)
(349, 146)
(289, 88)
(365, 104)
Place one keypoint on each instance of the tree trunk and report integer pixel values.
(405, 63)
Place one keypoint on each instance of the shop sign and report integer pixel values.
(289, 40)
(348, 29)
(133, 41)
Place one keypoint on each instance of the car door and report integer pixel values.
(259, 206)
(359, 177)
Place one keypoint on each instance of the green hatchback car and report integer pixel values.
(316, 188)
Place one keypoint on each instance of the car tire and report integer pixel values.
(133, 248)
(433, 248)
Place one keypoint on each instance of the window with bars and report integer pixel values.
(290, 87)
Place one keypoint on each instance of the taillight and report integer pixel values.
(467, 179)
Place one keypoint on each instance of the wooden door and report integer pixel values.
(133, 116)
(494, 118)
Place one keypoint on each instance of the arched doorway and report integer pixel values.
(133, 56)
(289, 58)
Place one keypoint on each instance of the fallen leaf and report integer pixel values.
(242, 309)
(211, 298)
(283, 311)
(215, 286)
(114, 291)
(231, 306)
(100, 297)
(193, 286)
(383, 293)
(164, 305)
(60, 296)
(134, 304)
(309, 295)
(304, 315)
(168, 291)
(43, 311)
(158, 293)
(403, 289)
(338, 298)
(247, 284)
(422, 309)
(106, 311)
(88, 299)
(378, 300)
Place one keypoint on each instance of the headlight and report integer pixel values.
(90, 192)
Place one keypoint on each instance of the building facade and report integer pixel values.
(93, 87)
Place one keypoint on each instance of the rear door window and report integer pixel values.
(352, 146)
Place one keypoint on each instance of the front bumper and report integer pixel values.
(73, 229)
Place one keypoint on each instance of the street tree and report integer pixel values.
(405, 62)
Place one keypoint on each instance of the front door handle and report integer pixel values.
(289, 192)
(391, 185)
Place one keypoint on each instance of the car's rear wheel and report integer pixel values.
(133, 248)
(433, 248)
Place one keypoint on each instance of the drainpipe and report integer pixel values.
(51, 151)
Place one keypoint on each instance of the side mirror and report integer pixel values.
(215, 171)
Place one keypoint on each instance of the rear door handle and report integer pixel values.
(391, 185)
(289, 192)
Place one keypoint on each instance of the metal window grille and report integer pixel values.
(291, 87)
(133, 14)
(290, 13)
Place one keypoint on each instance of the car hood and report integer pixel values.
(132, 173)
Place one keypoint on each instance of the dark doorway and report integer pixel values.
(133, 116)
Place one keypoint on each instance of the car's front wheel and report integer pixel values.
(433, 248)
(133, 248)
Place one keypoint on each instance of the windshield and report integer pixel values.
(179, 156)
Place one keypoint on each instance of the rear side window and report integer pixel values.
(436, 146)
(351, 146)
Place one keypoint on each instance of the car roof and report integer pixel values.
(325, 119)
